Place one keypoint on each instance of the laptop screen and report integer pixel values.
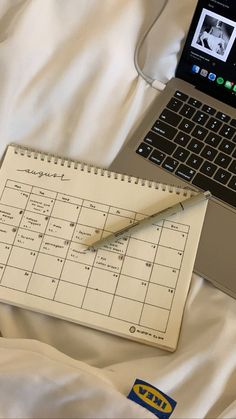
(208, 59)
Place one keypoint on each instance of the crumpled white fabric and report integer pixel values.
(69, 86)
(68, 83)
(38, 381)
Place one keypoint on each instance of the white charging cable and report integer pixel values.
(156, 84)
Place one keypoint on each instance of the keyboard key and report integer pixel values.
(222, 176)
(194, 161)
(144, 150)
(195, 146)
(213, 139)
(182, 138)
(174, 104)
(223, 160)
(214, 124)
(157, 157)
(222, 116)
(199, 132)
(163, 129)
(233, 122)
(185, 172)
(232, 167)
(160, 143)
(227, 146)
(170, 164)
(219, 191)
(187, 111)
(181, 154)
(227, 131)
(186, 125)
(208, 109)
(200, 118)
(194, 102)
(181, 95)
(208, 168)
(209, 153)
(170, 117)
(232, 183)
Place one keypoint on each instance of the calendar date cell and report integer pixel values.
(10, 215)
(139, 269)
(86, 235)
(159, 296)
(7, 233)
(28, 239)
(15, 278)
(175, 239)
(125, 309)
(48, 265)
(54, 246)
(169, 257)
(77, 273)
(42, 286)
(60, 228)
(41, 205)
(22, 258)
(132, 288)
(34, 222)
(97, 301)
(14, 198)
(71, 294)
(164, 275)
(66, 210)
(154, 317)
(103, 280)
(5, 250)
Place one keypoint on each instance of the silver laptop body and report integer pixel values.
(216, 257)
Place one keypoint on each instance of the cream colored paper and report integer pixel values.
(51, 210)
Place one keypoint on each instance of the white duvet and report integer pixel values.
(69, 86)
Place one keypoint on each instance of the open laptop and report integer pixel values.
(188, 137)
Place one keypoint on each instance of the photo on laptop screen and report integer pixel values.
(214, 35)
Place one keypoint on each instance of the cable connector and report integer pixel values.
(158, 85)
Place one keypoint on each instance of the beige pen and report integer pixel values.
(154, 218)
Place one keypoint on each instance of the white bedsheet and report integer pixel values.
(69, 86)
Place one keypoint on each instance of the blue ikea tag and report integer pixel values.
(152, 399)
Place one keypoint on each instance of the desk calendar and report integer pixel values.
(52, 209)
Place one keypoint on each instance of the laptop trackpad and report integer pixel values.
(217, 243)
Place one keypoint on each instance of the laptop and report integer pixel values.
(188, 136)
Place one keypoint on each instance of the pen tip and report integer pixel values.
(91, 249)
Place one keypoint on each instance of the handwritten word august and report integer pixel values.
(43, 174)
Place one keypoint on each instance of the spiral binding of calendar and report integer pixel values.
(76, 165)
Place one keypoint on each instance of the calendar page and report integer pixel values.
(51, 210)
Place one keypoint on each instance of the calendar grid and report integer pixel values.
(43, 253)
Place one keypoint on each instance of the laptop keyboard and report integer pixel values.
(197, 143)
